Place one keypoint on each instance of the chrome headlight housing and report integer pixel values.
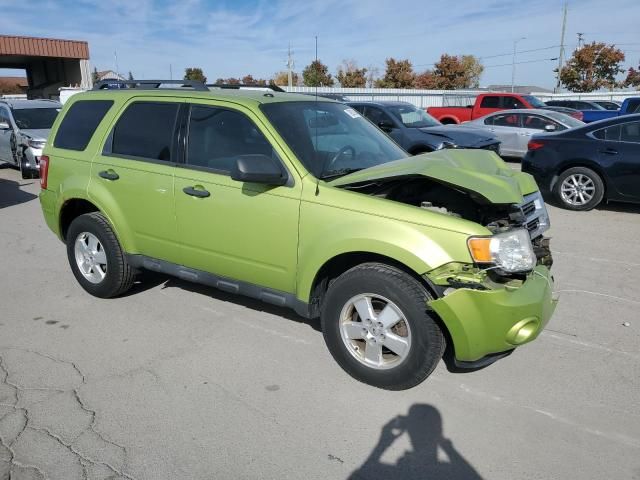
(509, 251)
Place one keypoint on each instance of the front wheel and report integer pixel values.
(579, 188)
(376, 325)
(96, 258)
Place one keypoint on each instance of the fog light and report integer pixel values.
(523, 331)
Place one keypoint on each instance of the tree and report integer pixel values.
(473, 70)
(282, 78)
(130, 78)
(196, 74)
(94, 76)
(249, 80)
(451, 72)
(349, 75)
(316, 74)
(633, 78)
(427, 80)
(8, 86)
(592, 67)
(398, 74)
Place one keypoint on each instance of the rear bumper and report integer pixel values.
(486, 322)
(48, 202)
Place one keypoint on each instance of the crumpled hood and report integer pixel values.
(462, 136)
(36, 133)
(479, 171)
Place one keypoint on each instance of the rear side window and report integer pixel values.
(80, 123)
(490, 102)
(630, 132)
(146, 130)
(610, 133)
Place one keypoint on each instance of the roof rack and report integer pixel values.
(150, 84)
(238, 86)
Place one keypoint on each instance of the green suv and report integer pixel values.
(303, 203)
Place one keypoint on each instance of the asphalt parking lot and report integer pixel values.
(178, 381)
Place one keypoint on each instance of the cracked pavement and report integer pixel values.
(179, 381)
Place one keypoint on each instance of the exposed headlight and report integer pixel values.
(509, 251)
(37, 144)
(446, 144)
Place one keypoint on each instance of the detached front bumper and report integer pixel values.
(497, 320)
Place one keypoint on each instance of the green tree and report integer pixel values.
(349, 75)
(398, 74)
(249, 80)
(316, 74)
(195, 73)
(594, 66)
(451, 72)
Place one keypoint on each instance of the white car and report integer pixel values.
(514, 128)
(24, 128)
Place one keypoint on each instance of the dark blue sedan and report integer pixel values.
(583, 166)
(418, 132)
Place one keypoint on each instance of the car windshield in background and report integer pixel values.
(565, 119)
(413, 117)
(331, 139)
(534, 101)
(35, 118)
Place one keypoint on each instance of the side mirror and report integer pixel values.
(258, 169)
(4, 126)
(550, 128)
(386, 126)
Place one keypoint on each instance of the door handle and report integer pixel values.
(109, 175)
(196, 192)
(609, 151)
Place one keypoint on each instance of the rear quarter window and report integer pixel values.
(80, 123)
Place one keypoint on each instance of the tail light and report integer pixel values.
(535, 144)
(44, 171)
(578, 115)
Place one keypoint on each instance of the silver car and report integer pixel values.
(514, 128)
(24, 128)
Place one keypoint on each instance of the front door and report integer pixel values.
(242, 231)
(133, 177)
(387, 123)
(622, 153)
(5, 135)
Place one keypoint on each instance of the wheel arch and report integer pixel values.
(449, 120)
(72, 209)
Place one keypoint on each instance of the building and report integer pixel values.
(521, 89)
(108, 75)
(49, 63)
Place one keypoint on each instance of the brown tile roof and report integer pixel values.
(43, 47)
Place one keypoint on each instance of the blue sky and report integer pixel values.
(233, 38)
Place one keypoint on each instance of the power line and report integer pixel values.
(519, 63)
(498, 55)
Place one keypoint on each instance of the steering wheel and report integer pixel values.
(339, 154)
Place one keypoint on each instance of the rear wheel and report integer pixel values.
(579, 188)
(96, 258)
(376, 325)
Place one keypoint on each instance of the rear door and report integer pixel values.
(133, 176)
(506, 126)
(488, 104)
(241, 231)
(531, 123)
(621, 155)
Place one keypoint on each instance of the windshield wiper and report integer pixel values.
(338, 173)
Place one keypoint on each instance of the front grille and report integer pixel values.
(528, 208)
(536, 218)
(533, 225)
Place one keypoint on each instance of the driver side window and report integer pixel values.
(377, 116)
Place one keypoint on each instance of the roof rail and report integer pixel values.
(150, 84)
(238, 86)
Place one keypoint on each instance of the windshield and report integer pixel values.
(565, 119)
(535, 102)
(35, 118)
(331, 139)
(413, 117)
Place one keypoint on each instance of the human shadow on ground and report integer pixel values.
(423, 425)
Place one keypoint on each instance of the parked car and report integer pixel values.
(514, 128)
(418, 132)
(608, 104)
(575, 104)
(484, 104)
(582, 167)
(577, 114)
(629, 106)
(304, 204)
(24, 127)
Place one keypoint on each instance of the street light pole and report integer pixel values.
(513, 63)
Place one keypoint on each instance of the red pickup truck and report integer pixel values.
(485, 104)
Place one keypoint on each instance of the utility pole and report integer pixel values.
(513, 63)
(115, 57)
(290, 66)
(561, 55)
(170, 72)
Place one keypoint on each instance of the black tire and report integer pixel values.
(13, 145)
(594, 178)
(25, 172)
(410, 296)
(119, 274)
